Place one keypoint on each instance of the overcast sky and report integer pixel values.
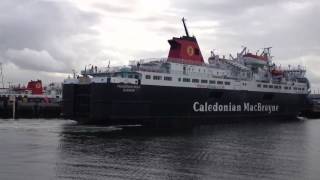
(46, 39)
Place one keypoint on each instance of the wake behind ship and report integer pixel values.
(182, 89)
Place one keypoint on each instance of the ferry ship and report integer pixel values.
(184, 89)
(32, 101)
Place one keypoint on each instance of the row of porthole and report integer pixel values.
(270, 86)
(204, 81)
(279, 87)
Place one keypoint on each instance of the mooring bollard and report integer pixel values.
(13, 100)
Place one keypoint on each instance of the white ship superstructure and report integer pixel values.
(219, 73)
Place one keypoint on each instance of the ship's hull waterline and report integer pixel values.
(107, 103)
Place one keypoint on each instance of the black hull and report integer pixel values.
(30, 110)
(159, 105)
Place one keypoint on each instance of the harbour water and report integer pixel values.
(58, 149)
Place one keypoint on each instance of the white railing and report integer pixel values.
(142, 61)
(175, 60)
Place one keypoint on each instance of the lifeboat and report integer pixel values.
(277, 72)
(257, 60)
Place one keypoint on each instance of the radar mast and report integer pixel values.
(185, 27)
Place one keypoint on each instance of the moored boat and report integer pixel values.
(32, 101)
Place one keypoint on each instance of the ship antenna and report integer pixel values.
(2, 76)
(74, 73)
(185, 26)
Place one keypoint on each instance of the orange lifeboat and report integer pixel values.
(277, 72)
(252, 59)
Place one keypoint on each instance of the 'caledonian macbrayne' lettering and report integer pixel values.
(245, 107)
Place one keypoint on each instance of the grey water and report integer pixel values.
(58, 149)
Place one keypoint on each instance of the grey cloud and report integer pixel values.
(35, 60)
(43, 30)
(16, 75)
(225, 8)
(151, 54)
(114, 8)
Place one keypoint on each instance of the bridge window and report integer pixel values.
(195, 80)
(148, 77)
(204, 81)
(219, 82)
(186, 80)
(259, 85)
(212, 82)
(166, 78)
(270, 86)
(227, 83)
(157, 77)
